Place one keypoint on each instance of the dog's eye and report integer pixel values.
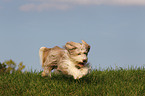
(85, 53)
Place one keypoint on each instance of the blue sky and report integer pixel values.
(115, 29)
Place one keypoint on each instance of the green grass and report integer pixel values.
(109, 82)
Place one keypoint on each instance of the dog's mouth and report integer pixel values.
(81, 64)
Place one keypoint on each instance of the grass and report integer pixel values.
(109, 82)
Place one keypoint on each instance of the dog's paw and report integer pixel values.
(43, 74)
(78, 77)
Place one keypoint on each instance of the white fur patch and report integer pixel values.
(73, 70)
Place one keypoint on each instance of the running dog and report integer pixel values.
(70, 60)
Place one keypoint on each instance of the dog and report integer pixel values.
(70, 60)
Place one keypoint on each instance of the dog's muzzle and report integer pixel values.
(81, 64)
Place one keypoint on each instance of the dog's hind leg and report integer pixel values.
(47, 71)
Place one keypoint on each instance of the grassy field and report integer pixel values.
(109, 82)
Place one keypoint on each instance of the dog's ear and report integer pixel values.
(86, 45)
(70, 46)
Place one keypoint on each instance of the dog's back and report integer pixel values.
(49, 53)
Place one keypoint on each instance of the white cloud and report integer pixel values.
(96, 2)
(28, 7)
(106, 2)
(126, 2)
(40, 5)
(6, 0)
(44, 6)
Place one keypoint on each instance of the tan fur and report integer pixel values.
(71, 60)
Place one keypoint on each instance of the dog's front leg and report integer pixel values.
(47, 71)
(80, 73)
(75, 73)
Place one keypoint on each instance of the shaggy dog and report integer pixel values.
(70, 60)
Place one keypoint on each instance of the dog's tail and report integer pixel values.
(41, 51)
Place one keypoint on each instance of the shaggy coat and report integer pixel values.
(70, 60)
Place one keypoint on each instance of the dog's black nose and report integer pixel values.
(84, 61)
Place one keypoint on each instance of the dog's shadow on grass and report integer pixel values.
(69, 79)
(64, 78)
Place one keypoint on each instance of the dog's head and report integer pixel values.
(78, 52)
